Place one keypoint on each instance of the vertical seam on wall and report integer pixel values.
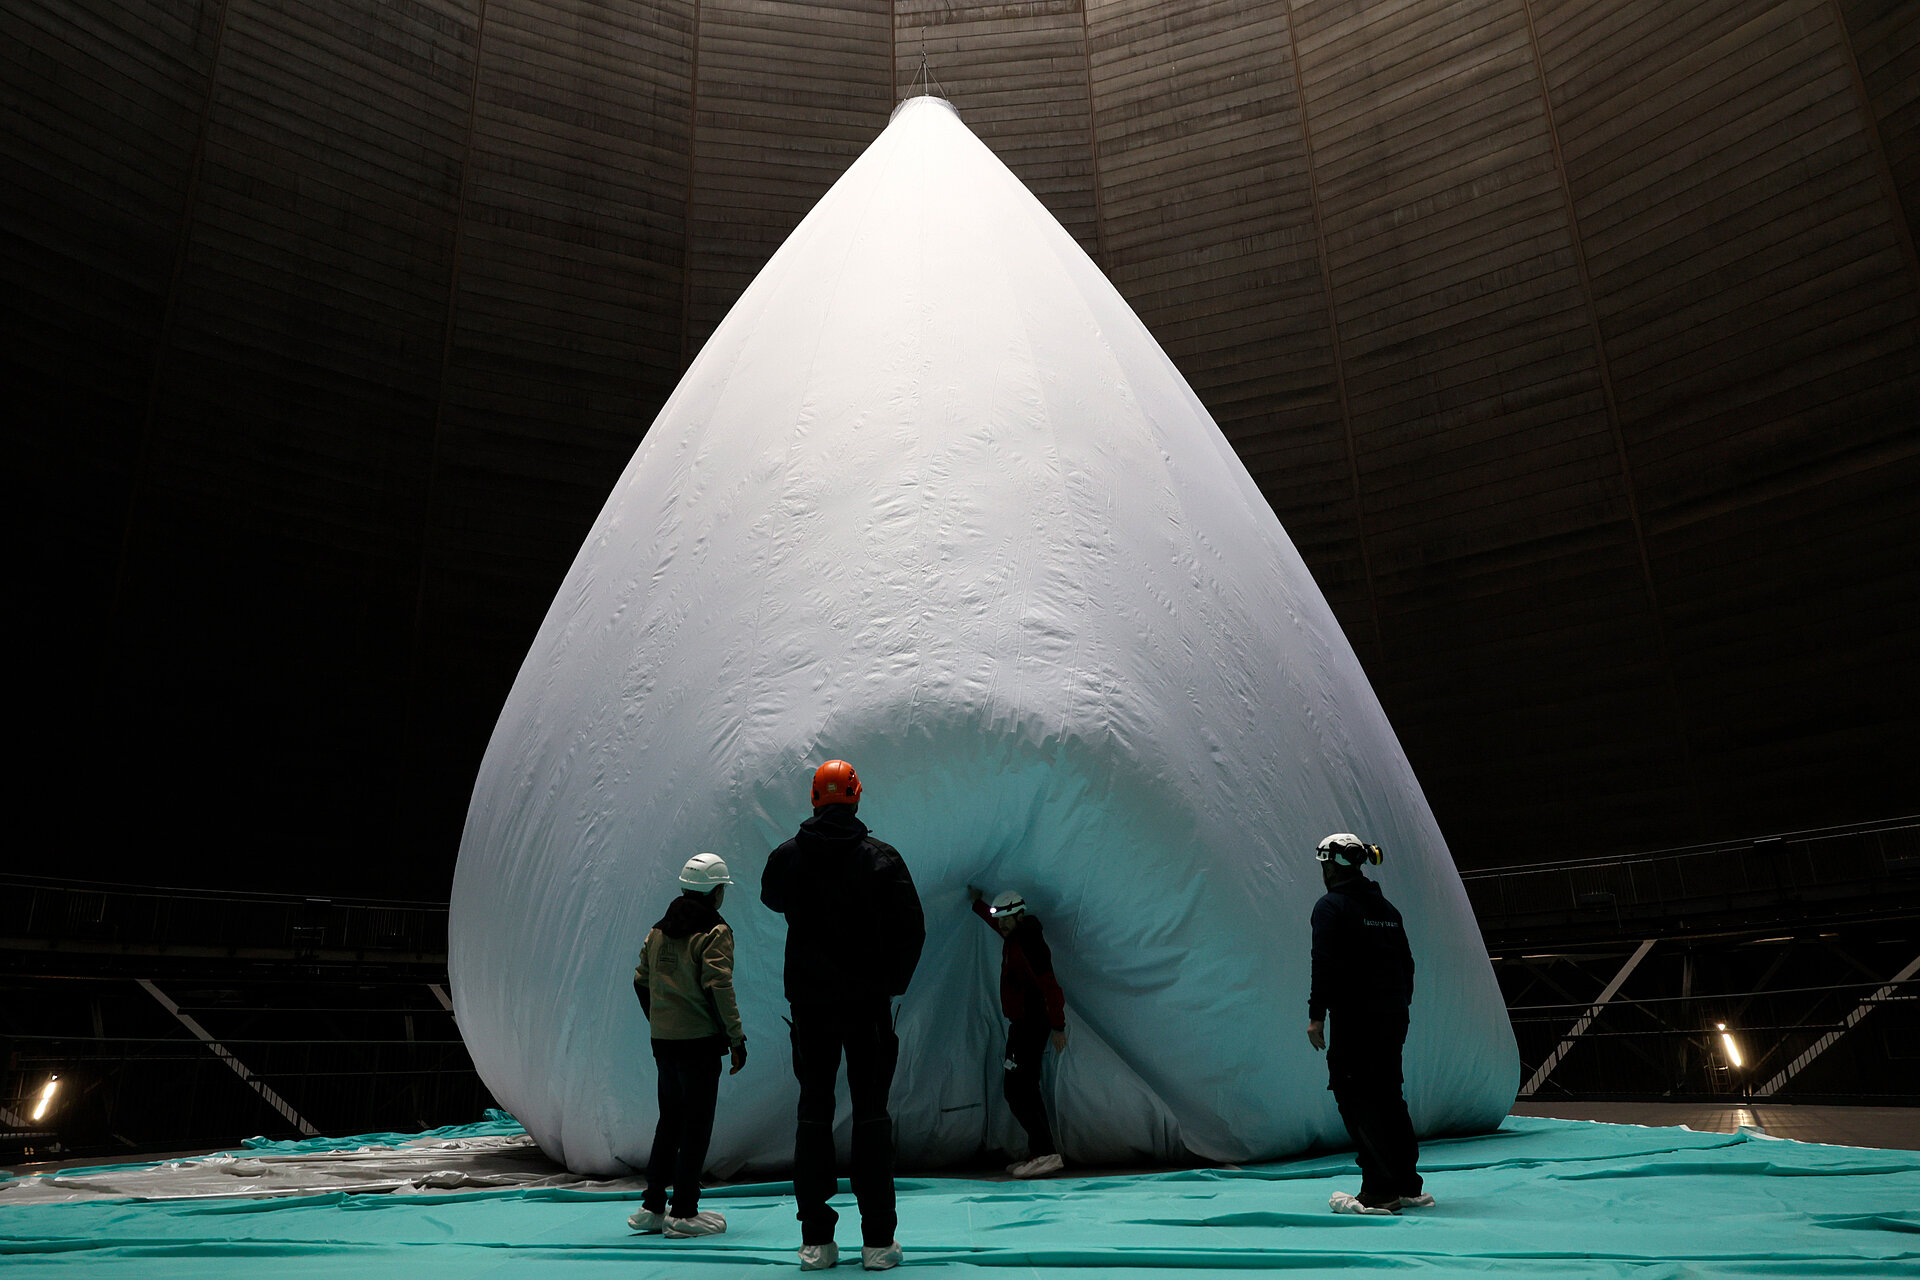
(169, 308)
(416, 656)
(1903, 230)
(1093, 144)
(1604, 368)
(686, 211)
(1333, 330)
(893, 55)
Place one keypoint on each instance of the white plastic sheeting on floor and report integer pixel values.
(933, 500)
(494, 1154)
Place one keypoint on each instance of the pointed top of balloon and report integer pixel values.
(922, 99)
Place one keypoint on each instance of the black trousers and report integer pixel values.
(1363, 1070)
(689, 1087)
(1026, 1049)
(864, 1033)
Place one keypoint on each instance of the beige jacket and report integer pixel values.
(689, 983)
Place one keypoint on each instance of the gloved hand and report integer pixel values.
(739, 1052)
(973, 894)
(1060, 1040)
(1316, 1035)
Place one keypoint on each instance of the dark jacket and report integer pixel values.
(1028, 989)
(854, 927)
(1361, 961)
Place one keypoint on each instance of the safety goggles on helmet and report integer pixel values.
(1348, 849)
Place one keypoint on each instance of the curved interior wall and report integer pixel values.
(1574, 342)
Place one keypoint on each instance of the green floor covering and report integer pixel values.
(1538, 1198)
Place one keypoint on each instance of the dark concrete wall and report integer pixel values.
(1576, 342)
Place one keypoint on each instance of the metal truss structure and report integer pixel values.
(170, 1020)
(1779, 968)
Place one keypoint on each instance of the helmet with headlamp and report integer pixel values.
(1348, 850)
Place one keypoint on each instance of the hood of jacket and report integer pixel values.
(1359, 887)
(833, 826)
(1351, 880)
(688, 914)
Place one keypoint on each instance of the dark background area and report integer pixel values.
(1575, 342)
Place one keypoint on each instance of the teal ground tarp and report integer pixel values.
(1538, 1197)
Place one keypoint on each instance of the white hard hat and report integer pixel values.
(705, 872)
(1007, 904)
(1344, 846)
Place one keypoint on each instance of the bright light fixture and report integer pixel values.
(1733, 1050)
(46, 1097)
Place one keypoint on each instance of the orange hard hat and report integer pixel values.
(835, 782)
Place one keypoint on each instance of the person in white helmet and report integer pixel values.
(1363, 977)
(685, 984)
(1036, 1011)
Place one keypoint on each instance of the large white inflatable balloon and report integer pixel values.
(932, 500)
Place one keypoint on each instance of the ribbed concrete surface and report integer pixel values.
(1576, 342)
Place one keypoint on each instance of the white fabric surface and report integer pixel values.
(934, 501)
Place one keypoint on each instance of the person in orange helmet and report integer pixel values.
(854, 933)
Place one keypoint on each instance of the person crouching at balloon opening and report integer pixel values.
(1363, 977)
(854, 933)
(1036, 1010)
(685, 984)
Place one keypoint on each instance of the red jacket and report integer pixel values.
(1028, 989)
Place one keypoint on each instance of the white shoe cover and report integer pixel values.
(1341, 1202)
(1421, 1201)
(707, 1223)
(1038, 1167)
(647, 1222)
(819, 1257)
(880, 1257)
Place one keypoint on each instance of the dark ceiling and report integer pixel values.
(1575, 342)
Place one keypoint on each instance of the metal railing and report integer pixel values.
(72, 914)
(1877, 864)
(1782, 1042)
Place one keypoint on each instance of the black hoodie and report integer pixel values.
(1361, 962)
(854, 926)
